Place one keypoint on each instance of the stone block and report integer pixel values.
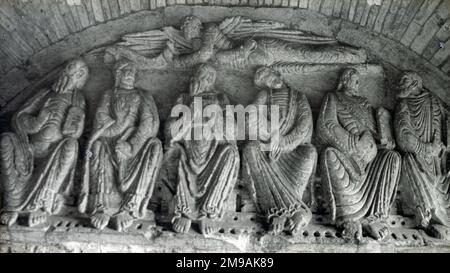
(327, 7)
(314, 5)
(98, 10)
(429, 29)
(411, 33)
(384, 9)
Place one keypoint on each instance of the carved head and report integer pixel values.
(203, 79)
(267, 77)
(73, 77)
(410, 83)
(125, 74)
(349, 82)
(191, 27)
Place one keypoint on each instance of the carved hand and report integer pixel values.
(170, 51)
(437, 147)
(366, 147)
(123, 150)
(388, 144)
(276, 146)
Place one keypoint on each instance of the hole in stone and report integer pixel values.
(240, 187)
(159, 188)
(221, 230)
(328, 234)
(139, 226)
(233, 231)
(319, 219)
(305, 233)
(338, 234)
(235, 218)
(403, 223)
(77, 225)
(316, 234)
(68, 224)
(393, 223)
(405, 236)
(394, 236)
(252, 219)
(59, 224)
(415, 237)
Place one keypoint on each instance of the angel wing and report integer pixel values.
(239, 27)
(153, 42)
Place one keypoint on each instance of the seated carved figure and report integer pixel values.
(125, 155)
(205, 169)
(359, 177)
(38, 157)
(418, 127)
(278, 178)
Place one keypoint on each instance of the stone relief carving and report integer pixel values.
(360, 171)
(359, 168)
(124, 154)
(420, 132)
(236, 42)
(38, 157)
(279, 177)
(206, 170)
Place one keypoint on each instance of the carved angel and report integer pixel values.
(235, 42)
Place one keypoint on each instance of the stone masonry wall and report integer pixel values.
(37, 36)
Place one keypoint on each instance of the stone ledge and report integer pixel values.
(241, 233)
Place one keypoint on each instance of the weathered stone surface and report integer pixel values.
(214, 53)
(241, 235)
(429, 29)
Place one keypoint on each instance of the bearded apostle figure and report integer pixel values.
(125, 155)
(278, 177)
(360, 171)
(419, 129)
(205, 167)
(38, 157)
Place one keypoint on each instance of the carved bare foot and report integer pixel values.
(439, 231)
(377, 230)
(277, 225)
(351, 230)
(123, 220)
(208, 226)
(100, 220)
(8, 218)
(36, 218)
(181, 224)
(299, 220)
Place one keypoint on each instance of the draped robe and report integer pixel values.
(358, 183)
(277, 186)
(419, 121)
(204, 172)
(106, 173)
(38, 161)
